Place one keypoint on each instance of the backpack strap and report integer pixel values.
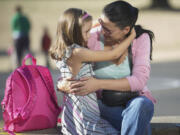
(27, 108)
(7, 92)
(6, 127)
(23, 112)
(47, 79)
(130, 58)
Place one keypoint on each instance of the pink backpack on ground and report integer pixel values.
(30, 101)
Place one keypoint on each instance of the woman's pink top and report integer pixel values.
(141, 62)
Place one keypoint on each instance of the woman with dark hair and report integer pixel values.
(134, 117)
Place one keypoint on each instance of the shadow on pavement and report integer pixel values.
(3, 53)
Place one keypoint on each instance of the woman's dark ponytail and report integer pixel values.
(135, 13)
(139, 31)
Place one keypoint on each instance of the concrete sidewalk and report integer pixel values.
(166, 125)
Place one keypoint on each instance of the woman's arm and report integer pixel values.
(141, 63)
(88, 85)
(86, 55)
(137, 81)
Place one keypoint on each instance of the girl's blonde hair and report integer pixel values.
(69, 31)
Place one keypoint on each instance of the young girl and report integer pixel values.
(81, 114)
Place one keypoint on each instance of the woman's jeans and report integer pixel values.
(134, 119)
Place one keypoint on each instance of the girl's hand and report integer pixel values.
(85, 86)
(133, 33)
(64, 85)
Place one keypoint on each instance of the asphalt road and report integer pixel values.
(164, 84)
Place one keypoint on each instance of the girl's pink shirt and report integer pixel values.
(141, 62)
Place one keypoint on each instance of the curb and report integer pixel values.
(166, 125)
(169, 125)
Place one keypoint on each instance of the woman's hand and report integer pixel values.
(84, 86)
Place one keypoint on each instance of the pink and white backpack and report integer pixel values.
(30, 101)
